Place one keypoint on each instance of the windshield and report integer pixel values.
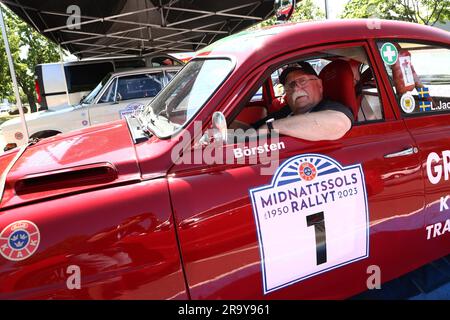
(189, 90)
(91, 96)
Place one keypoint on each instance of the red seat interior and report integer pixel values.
(338, 84)
(277, 104)
(252, 113)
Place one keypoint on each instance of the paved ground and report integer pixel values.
(430, 282)
(441, 293)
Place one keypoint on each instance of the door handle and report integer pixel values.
(406, 152)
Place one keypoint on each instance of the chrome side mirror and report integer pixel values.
(219, 124)
(284, 9)
(219, 130)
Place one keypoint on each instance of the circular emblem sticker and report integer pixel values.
(19, 240)
(307, 171)
(389, 53)
(18, 135)
(407, 103)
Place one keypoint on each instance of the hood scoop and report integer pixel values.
(73, 177)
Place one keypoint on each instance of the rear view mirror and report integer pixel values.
(284, 9)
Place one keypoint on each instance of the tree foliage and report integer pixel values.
(28, 49)
(419, 11)
(305, 10)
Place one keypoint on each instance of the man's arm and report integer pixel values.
(314, 126)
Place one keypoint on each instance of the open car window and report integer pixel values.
(350, 82)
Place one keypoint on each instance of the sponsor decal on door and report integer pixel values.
(311, 219)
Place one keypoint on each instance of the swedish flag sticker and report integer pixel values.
(425, 103)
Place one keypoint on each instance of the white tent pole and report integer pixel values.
(64, 74)
(13, 75)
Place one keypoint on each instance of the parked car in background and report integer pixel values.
(117, 95)
(82, 76)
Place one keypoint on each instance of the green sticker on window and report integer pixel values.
(389, 53)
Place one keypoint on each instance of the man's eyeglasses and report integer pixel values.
(301, 82)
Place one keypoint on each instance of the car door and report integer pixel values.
(251, 228)
(428, 120)
(125, 95)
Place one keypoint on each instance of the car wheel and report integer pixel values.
(44, 134)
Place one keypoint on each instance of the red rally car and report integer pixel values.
(170, 205)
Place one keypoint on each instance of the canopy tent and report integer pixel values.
(105, 28)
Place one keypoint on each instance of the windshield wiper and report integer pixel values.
(147, 120)
(137, 129)
(142, 124)
(156, 122)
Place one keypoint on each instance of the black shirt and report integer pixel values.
(323, 105)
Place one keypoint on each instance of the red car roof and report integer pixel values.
(273, 40)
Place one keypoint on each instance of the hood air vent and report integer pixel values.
(67, 178)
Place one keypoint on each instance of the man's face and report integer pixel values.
(303, 91)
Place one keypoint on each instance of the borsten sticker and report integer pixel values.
(407, 103)
(19, 240)
(312, 218)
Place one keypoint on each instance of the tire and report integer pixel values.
(45, 134)
(16, 111)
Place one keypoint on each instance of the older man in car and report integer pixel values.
(307, 114)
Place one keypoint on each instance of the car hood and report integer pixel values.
(94, 157)
(37, 115)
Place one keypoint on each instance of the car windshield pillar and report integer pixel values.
(91, 96)
(187, 93)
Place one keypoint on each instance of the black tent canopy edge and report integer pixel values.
(104, 28)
